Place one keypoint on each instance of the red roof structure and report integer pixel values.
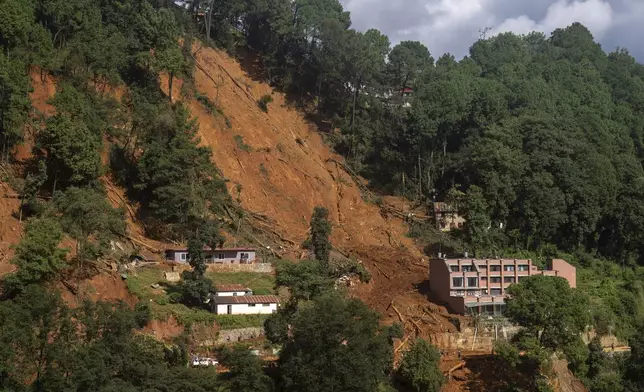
(247, 299)
(231, 287)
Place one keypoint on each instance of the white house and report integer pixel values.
(214, 256)
(244, 304)
(232, 290)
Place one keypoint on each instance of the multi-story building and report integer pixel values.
(477, 285)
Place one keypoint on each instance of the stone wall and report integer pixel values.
(469, 339)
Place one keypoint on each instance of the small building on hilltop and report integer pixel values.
(214, 256)
(244, 304)
(231, 290)
(447, 217)
(479, 286)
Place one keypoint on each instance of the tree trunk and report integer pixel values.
(171, 79)
(209, 21)
(420, 178)
(353, 114)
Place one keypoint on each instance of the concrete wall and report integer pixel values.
(246, 309)
(239, 334)
(565, 270)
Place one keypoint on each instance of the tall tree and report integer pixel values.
(335, 344)
(320, 232)
(419, 367)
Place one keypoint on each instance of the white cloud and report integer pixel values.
(596, 15)
(453, 25)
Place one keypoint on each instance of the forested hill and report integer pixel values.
(539, 134)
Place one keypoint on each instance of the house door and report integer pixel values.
(230, 309)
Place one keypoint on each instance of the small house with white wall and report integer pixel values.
(214, 256)
(232, 290)
(244, 304)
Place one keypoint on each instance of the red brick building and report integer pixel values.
(479, 286)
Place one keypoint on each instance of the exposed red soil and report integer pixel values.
(289, 170)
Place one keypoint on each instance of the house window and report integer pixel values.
(508, 268)
(508, 279)
(495, 292)
(524, 267)
(243, 256)
(251, 305)
(472, 282)
(453, 268)
(468, 268)
(208, 258)
(221, 256)
(495, 279)
(472, 293)
(266, 305)
(234, 294)
(483, 278)
(495, 268)
(457, 282)
(184, 256)
(482, 266)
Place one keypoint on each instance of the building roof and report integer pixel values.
(207, 248)
(440, 206)
(231, 287)
(247, 299)
(407, 90)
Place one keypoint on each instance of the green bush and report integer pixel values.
(264, 101)
(239, 140)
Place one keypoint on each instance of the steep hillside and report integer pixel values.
(284, 169)
(10, 228)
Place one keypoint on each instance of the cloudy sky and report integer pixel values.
(453, 25)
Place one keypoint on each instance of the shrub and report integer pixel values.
(264, 101)
(239, 140)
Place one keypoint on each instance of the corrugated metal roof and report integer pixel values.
(247, 299)
(231, 287)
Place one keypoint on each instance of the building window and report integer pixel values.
(495, 279)
(495, 291)
(453, 268)
(508, 279)
(266, 305)
(472, 282)
(467, 268)
(221, 256)
(508, 268)
(457, 282)
(208, 258)
(234, 294)
(482, 266)
(184, 256)
(495, 268)
(243, 256)
(483, 278)
(472, 293)
(251, 305)
(524, 267)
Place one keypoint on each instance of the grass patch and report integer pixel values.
(264, 101)
(234, 321)
(261, 284)
(208, 104)
(162, 307)
(239, 140)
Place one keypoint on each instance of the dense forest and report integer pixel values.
(539, 141)
(547, 130)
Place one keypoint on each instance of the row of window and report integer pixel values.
(473, 282)
(476, 293)
(220, 256)
(493, 268)
(264, 305)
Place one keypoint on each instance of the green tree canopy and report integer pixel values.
(419, 367)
